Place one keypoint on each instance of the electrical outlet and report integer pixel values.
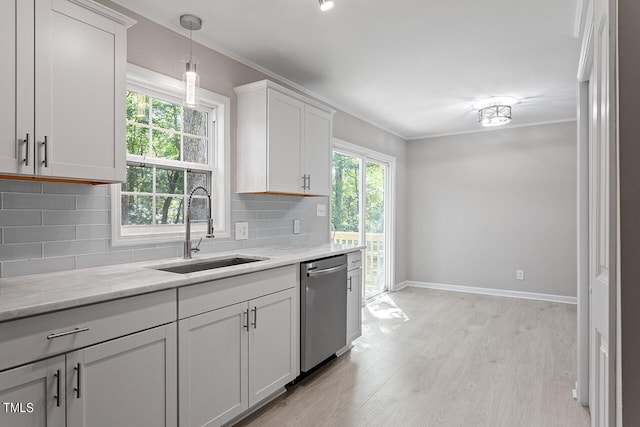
(321, 210)
(520, 274)
(242, 230)
(296, 226)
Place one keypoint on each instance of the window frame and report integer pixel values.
(167, 88)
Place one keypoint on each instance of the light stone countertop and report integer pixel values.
(41, 293)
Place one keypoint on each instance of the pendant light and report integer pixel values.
(325, 5)
(190, 77)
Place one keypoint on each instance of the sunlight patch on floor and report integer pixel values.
(385, 308)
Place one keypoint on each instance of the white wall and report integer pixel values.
(482, 205)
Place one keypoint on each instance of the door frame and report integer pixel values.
(365, 154)
(585, 30)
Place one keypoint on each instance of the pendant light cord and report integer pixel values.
(190, 42)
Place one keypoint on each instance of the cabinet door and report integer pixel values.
(16, 78)
(285, 120)
(273, 336)
(317, 150)
(80, 92)
(354, 305)
(33, 395)
(129, 381)
(213, 366)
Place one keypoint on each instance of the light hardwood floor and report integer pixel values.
(436, 358)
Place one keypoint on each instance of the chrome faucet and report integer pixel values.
(187, 238)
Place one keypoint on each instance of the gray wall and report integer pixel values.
(482, 205)
(629, 128)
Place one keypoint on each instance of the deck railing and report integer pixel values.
(374, 257)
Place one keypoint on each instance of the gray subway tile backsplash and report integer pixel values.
(10, 218)
(75, 217)
(11, 186)
(48, 227)
(36, 266)
(38, 201)
(20, 251)
(38, 234)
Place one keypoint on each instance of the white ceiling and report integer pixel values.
(414, 67)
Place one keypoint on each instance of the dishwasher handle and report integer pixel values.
(316, 273)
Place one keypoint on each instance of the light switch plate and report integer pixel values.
(321, 210)
(519, 274)
(242, 230)
(296, 226)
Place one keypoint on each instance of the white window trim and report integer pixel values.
(152, 83)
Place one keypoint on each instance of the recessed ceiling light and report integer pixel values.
(326, 5)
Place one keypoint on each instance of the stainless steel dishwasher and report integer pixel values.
(323, 309)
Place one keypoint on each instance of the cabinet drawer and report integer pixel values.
(33, 338)
(216, 294)
(354, 260)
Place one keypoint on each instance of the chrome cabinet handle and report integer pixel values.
(26, 150)
(350, 277)
(46, 152)
(57, 396)
(309, 182)
(246, 319)
(255, 317)
(62, 334)
(77, 387)
(304, 181)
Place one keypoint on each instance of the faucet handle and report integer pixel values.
(197, 248)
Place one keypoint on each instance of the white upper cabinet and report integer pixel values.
(318, 129)
(69, 97)
(284, 141)
(16, 87)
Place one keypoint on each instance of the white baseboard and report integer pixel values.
(400, 286)
(488, 291)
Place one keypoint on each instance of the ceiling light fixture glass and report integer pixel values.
(495, 115)
(495, 111)
(190, 77)
(325, 5)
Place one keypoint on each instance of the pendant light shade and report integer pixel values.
(326, 5)
(190, 78)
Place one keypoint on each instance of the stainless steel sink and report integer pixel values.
(207, 265)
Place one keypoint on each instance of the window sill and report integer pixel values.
(161, 238)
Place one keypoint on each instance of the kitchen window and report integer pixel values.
(171, 149)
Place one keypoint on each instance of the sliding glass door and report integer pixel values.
(359, 212)
(375, 226)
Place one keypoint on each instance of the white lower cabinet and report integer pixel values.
(33, 395)
(234, 357)
(273, 334)
(354, 296)
(126, 381)
(213, 366)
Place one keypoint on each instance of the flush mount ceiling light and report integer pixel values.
(495, 111)
(325, 5)
(495, 115)
(190, 77)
